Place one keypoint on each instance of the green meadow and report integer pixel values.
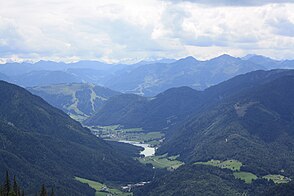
(162, 161)
(98, 186)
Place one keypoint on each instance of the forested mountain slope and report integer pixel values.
(254, 126)
(41, 144)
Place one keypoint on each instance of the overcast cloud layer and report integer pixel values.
(131, 30)
(234, 2)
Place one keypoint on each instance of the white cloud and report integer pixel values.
(124, 30)
(232, 3)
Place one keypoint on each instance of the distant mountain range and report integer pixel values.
(248, 119)
(143, 78)
(79, 100)
(42, 145)
(155, 78)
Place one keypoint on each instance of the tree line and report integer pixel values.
(9, 188)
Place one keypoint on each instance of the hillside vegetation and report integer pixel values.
(42, 145)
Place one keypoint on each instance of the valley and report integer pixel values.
(149, 141)
(147, 98)
(231, 138)
(118, 133)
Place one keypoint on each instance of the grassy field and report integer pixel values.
(278, 179)
(233, 165)
(98, 186)
(169, 163)
(110, 127)
(247, 177)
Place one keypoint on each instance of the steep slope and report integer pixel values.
(240, 83)
(254, 126)
(79, 100)
(281, 190)
(125, 109)
(157, 113)
(41, 144)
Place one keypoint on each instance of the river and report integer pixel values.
(148, 150)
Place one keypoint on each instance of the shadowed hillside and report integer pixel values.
(41, 144)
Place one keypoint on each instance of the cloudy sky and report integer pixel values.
(131, 30)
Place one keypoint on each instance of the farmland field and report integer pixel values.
(162, 161)
(98, 186)
(247, 177)
(278, 179)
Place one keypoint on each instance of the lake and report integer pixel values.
(148, 150)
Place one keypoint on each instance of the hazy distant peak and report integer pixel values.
(188, 59)
(163, 61)
(42, 62)
(248, 56)
(260, 60)
(224, 57)
(254, 56)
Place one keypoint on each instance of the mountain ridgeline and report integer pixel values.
(143, 78)
(42, 145)
(171, 107)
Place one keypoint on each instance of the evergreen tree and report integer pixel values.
(43, 191)
(11, 193)
(52, 192)
(9, 189)
(6, 187)
(1, 190)
(15, 186)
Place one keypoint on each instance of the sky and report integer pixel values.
(131, 30)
